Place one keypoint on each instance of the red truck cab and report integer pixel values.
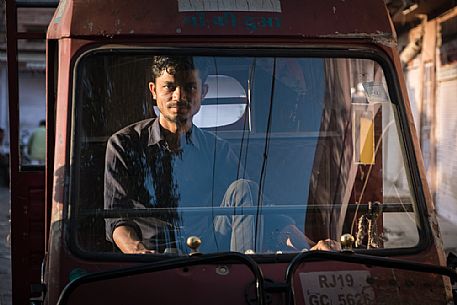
(310, 98)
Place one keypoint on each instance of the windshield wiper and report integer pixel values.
(166, 265)
(311, 256)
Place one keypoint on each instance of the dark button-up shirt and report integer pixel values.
(142, 172)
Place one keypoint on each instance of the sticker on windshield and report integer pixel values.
(229, 5)
(375, 92)
(337, 287)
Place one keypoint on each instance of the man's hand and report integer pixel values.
(327, 245)
(127, 240)
(297, 240)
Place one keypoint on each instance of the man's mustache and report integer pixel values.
(179, 104)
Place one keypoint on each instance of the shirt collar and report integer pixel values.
(191, 138)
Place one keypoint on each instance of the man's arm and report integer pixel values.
(124, 232)
(128, 241)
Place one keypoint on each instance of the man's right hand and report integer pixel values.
(127, 240)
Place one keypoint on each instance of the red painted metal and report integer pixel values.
(52, 66)
(304, 19)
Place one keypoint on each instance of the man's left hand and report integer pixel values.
(327, 245)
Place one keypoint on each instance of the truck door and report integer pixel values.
(28, 208)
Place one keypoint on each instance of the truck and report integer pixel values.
(310, 99)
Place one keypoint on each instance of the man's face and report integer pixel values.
(178, 97)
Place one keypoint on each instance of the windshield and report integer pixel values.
(264, 155)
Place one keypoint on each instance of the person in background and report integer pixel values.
(4, 161)
(36, 147)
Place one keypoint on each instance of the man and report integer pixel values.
(4, 161)
(167, 163)
(36, 147)
(170, 165)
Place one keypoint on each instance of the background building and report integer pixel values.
(427, 41)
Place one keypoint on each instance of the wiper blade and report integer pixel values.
(166, 265)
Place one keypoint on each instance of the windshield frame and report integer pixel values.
(371, 52)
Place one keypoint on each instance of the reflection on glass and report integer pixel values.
(275, 154)
(225, 96)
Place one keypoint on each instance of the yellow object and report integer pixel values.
(366, 141)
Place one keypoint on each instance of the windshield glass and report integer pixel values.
(263, 155)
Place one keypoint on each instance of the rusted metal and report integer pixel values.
(328, 19)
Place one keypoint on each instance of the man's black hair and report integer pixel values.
(173, 63)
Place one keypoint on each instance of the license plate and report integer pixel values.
(337, 288)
